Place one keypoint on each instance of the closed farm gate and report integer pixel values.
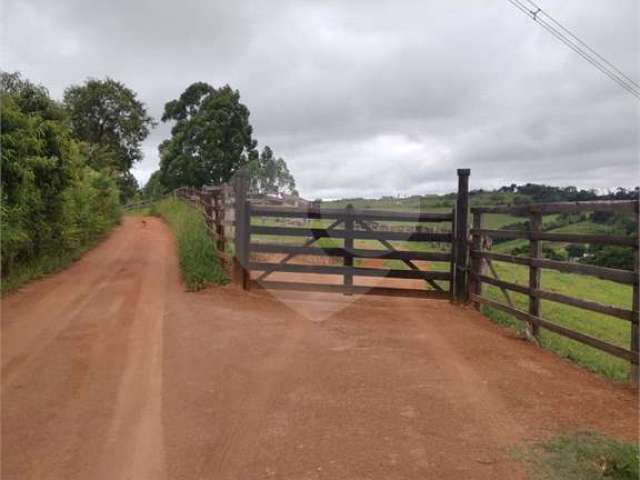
(342, 250)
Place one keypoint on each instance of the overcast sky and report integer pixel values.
(366, 97)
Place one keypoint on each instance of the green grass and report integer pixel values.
(603, 327)
(44, 265)
(600, 326)
(582, 456)
(199, 263)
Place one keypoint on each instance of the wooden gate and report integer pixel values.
(352, 251)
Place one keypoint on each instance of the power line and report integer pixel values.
(567, 37)
(583, 44)
(538, 16)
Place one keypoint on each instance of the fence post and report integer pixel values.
(348, 248)
(452, 264)
(535, 252)
(475, 285)
(462, 229)
(634, 372)
(228, 214)
(241, 257)
(216, 220)
(207, 201)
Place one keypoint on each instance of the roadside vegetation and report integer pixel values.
(196, 251)
(582, 456)
(55, 204)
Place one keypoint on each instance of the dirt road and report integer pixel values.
(111, 371)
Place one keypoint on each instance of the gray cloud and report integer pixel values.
(366, 98)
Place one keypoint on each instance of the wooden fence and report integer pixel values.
(229, 209)
(481, 259)
(213, 203)
(219, 208)
(347, 226)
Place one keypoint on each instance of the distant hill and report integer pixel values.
(595, 222)
(507, 195)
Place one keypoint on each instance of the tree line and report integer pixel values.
(540, 193)
(66, 165)
(62, 179)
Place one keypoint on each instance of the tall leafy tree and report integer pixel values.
(39, 157)
(107, 116)
(269, 174)
(51, 201)
(210, 139)
(154, 189)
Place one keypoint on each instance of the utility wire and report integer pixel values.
(563, 34)
(582, 43)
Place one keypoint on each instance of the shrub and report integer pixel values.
(553, 254)
(583, 456)
(612, 256)
(53, 205)
(575, 250)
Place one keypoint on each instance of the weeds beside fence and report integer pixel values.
(199, 263)
(582, 456)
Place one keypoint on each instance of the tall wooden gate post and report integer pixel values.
(242, 219)
(535, 252)
(634, 372)
(348, 248)
(461, 233)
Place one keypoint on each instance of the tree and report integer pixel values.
(153, 189)
(39, 159)
(30, 98)
(610, 256)
(270, 175)
(127, 185)
(108, 116)
(51, 201)
(210, 140)
(576, 250)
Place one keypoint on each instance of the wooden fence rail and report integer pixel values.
(211, 203)
(229, 208)
(349, 225)
(481, 258)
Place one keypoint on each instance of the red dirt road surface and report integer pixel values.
(111, 371)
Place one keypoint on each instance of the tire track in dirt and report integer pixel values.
(96, 365)
(242, 439)
(69, 299)
(253, 384)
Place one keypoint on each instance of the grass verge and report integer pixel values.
(604, 327)
(582, 456)
(44, 265)
(138, 212)
(199, 263)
